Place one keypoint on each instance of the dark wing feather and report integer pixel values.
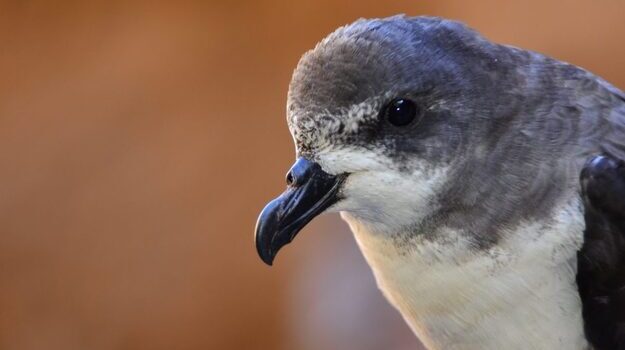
(601, 261)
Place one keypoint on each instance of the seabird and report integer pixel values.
(484, 184)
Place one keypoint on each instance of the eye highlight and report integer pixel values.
(401, 111)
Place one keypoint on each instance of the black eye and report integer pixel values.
(401, 112)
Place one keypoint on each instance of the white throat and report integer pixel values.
(519, 294)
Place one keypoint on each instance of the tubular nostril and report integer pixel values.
(289, 178)
(300, 172)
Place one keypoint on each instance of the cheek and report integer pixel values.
(391, 197)
(379, 191)
(351, 160)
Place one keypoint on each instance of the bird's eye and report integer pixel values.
(401, 111)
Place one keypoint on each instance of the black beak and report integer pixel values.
(310, 191)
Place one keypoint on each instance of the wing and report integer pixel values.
(601, 260)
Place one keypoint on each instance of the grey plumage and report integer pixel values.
(471, 215)
(508, 121)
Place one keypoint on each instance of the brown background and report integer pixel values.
(138, 142)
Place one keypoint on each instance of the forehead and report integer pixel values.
(338, 87)
(341, 84)
(349, 66)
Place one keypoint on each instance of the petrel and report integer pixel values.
(484, 184)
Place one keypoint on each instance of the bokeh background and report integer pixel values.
(139, 140)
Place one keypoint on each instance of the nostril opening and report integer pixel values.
(289, 178)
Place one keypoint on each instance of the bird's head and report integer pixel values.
(381, 112)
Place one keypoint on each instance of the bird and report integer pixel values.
(484, 184)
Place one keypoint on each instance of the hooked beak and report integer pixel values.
(310, 191)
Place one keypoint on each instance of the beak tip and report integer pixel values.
(266, 226)
(266, 255)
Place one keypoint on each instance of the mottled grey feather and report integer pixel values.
(515, 126)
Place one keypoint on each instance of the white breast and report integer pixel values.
(520, 294)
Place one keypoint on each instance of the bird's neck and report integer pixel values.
(520, 293)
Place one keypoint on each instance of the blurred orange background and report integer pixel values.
(138, 142)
